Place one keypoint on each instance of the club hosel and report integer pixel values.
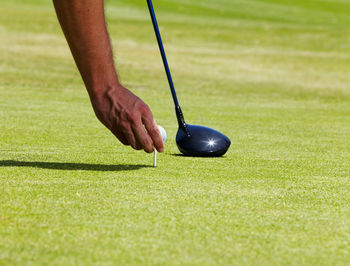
(180, 117)
(181, 120)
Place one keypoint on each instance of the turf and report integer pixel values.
(272, 75)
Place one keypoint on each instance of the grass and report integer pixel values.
(272, 75)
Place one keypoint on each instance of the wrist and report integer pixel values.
(98, 89)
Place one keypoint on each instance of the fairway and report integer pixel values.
(272, 75)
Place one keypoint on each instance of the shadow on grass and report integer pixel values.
(189, 156)
(73, 166)
(179, 155)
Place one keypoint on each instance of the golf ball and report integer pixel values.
(162, 133)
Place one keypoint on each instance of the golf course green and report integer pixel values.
(272, 75)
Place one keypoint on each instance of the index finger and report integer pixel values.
(153, 131)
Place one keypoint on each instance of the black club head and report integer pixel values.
(201, 141)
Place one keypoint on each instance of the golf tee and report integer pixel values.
(155, 158)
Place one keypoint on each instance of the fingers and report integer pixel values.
(153, 131)
(145, 131)
(143, 138)
(141, 133)
(129, 136)
(134, 134)
(120, 136)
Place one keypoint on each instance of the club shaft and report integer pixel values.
(166, 65)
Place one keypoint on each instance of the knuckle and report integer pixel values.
(153, 131)
(145, 109)
(132, 118)
(123, 115)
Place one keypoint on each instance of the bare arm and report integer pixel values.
(127, 116)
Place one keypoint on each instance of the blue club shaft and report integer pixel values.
(166, 65)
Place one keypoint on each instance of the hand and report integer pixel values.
(128, 118)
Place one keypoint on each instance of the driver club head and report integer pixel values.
(201, 141)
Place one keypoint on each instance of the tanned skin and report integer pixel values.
(122, 112)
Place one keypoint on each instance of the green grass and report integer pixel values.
(273, 75)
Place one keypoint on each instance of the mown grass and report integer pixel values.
(272, 75)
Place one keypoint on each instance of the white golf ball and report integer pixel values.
(162, 133)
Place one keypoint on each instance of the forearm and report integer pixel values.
(122, 112)
(83, 23)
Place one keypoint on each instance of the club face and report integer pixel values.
(202, 142)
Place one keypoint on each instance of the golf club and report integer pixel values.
(190, 139)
